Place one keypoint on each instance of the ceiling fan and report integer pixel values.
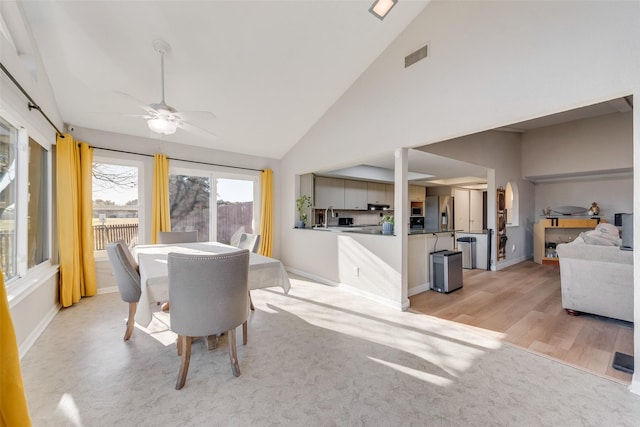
(161, 117)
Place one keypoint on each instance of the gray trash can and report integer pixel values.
(445, 271)
(467, 245)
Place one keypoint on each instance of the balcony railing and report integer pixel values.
(103, 234)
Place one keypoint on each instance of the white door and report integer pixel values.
(461, 209)
(475, 210)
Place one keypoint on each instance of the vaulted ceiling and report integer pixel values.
(268, 70)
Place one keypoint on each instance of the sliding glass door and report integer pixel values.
(221, 218)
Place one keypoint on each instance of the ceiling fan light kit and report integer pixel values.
(162, 125)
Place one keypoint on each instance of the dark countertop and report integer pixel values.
(473, 232)
(418, 231)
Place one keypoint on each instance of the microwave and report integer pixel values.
(416, 210)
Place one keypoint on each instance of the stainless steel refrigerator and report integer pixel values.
(438, 213)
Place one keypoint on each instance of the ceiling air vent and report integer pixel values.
(416, 56)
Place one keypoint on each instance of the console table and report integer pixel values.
(556, 230)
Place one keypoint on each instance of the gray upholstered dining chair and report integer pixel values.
(177, 236)
(209, 296)
(251, 242)
(127, 277)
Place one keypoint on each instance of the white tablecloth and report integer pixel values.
(264, 272)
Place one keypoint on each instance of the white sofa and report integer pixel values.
(596, 279)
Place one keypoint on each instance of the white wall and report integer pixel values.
(613, 195)
(590, 146)
(491, 64)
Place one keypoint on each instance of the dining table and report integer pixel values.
(264, 272)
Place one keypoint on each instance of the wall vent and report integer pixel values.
(416, 56)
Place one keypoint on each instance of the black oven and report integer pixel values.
(416, 222)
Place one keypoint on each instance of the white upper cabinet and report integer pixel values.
(376, 193)
(389, 195)
(355, 194)
(329, 192)
(417, 193)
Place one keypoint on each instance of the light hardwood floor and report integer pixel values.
(523, 302)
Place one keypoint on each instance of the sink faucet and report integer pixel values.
(326, 216)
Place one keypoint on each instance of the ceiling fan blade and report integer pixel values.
(196, 115)
(136, 101)
(197, 130)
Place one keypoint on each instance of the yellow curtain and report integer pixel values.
(75, 232)
(160, 220)
(13, 402)
(266, 213)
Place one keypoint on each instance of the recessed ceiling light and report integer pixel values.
(380, 8)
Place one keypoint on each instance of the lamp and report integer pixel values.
(380, 8)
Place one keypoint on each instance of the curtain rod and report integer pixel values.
(32, 104)
(180, 160)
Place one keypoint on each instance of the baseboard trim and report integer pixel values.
(509, 262)
(313, 277)
(635, 383)
(38, 330)
(108, 290)
(419, 289)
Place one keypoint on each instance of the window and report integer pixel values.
(234, 208)
(115, 202)
(191, 204)
(512, 204)
(25, 212)
(38, 219)
(8, 226)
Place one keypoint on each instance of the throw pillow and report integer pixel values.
(609, 229)
(595, 239)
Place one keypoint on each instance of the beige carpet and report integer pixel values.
(317, 357)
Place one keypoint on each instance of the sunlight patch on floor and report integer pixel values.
(68, 408)
(159, 329)
(421, 375)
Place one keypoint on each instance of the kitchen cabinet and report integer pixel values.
(329, 192)
(417, 193)
(376, 193)
(549, 232)
(389, 196)
(355, 194)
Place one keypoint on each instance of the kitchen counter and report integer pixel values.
(419, 231)
(354, 229)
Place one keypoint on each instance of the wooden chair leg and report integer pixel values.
(184, 363)
(179, 344)
(130, 320)
(233, 355)
(212, 342)
(244, 333)
(251, 302)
